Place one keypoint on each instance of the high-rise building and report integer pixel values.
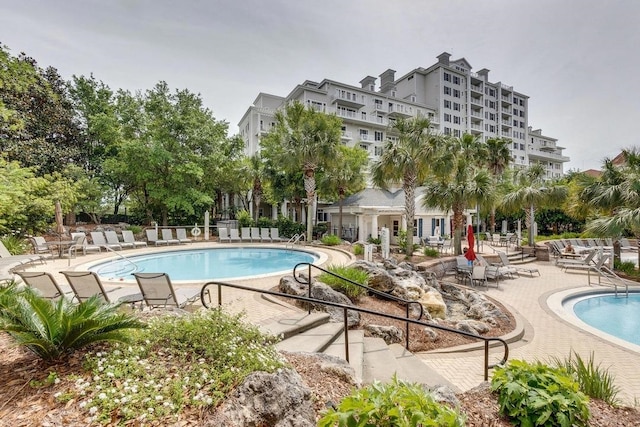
(454, 98)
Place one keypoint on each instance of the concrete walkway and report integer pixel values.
(548, 333)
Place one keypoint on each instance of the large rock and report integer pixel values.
(325, 292)
(288, 285)
(280, 399)
(433, 303)
(472, 326)
(390, 334)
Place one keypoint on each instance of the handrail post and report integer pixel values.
(346, 335)
(219, 295)
(406, 341)
(309, 285)
(486, 360)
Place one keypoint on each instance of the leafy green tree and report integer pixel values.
(498, 157)
(303, 139)
(531, 190)
(344, 176)
(459, 180)
(54, 329)
(406, 160)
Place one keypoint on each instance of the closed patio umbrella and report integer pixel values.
(59, 221)
(470, 255)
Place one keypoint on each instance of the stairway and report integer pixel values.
(516, 258)
(371, 358)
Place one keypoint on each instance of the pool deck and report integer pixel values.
(548, 330)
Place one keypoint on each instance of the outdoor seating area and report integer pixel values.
(567, 248)
(249, 234)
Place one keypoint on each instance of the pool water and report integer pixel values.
(617, 316)
(206, 264)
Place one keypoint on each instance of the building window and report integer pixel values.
(456, 93)
(447, 117)
(447, 77)
(515, 145)
(447, 131)
(413, 98)
(396, 227)
(364, 134)
(456, 120)
(447, 103)
(364, 115)
(447, 90)
(456, 80)
(456, 106)
(456, 133)
(522, 146)
(378, 150)
(378, 136)
(522, 125)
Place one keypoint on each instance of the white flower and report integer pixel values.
(150, 410)
(93, 410)
(110, 374)
(159, 397)
(102, 396)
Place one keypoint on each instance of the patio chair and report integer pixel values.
(479, 275)
(40, 247)
(223, 235)
(245, 234)
(493, 272)
(98, 239)
(128, 237)
(167, 235)
(43, 282)
(152, 237)
(573, 262)
(181, 235)
(112, 239)
(275, 235)
(19, 259)
(255, 234)
(625, 245)
(86, 247)
(264, 235)
(158, 291)
(86, 284)
(504, 260)
(233, 235)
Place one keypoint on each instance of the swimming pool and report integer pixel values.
(615, 316)
(206, 264)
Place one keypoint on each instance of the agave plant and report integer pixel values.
(53, 328)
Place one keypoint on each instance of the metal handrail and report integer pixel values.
(204, 291)
(406, 302)
(121, 256)
(295, 239)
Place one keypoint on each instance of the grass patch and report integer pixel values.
(349, 289)
(331, 240)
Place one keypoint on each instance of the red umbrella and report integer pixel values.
(470, 255)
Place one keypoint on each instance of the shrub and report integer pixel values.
(432, 252)
(536, 394)
(396, 404)
(627, 267)
(193, 360)
(403, 242)
(353, 274)
(374, 240)
(595, 381)
(358, 249)
(244, 218)
(331, 240)
(264, 222)
(15, 244)
(52, 329)
(288, 228)
(135, 229)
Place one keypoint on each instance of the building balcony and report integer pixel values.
(475, 126)
(506, 87)
(506, 99)
(506, 123)
(476, 114)
(348, 100)
(347, 135)
(379, 108)
(476, 101)
(545, 156)
(396, 110)
(476, 88)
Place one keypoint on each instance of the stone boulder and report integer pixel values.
(472, 326)
(280, 399)
(379, 278)
(390, 334)
(433, 303)
(431, 333)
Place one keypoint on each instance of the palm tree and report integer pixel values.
(532, 190)
(253, 169)
(458, 181)
(406, 160)
(617, 195)
(303, 139)
(344, 175)
(497, 160)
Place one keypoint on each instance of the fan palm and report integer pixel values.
(407, 160)
(53, 328)
(497, 160)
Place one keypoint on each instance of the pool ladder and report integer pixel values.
(295, 239)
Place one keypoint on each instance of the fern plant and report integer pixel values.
(51, 329)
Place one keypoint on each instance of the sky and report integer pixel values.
(577, 60)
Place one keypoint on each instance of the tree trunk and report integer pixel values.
(310, 188)
(457, 229)
(493, 219)
(340, 215)
(409, 212)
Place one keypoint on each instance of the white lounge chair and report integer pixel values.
(98, 239)
(128, 237)
(223, 235)
(233, 235)
(167, 234)
(152, 237)
(255, 234)
(505, 263)
(86, 247)
(112, 239)
(264, 235)
(245, 234)
(44, 282)
(19, 259)
(181, 235)
(86, 284)
(275, 235)
(158, 291)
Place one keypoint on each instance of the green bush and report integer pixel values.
(288, 228)
(264, 222)
(403, 242)
(52, 329)
(627, 267)
(595, 381)
(135, 229)
(244, 218)
(374, 240)
(536, 394)
(397, 404)
(15, 245)
(331, 240)
(431, 252)
(349, 289)
(358, 249)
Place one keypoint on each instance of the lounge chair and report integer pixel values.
(264, 235)
(233, 235)
(167, 234)
(625, 245)
(86, 247)
(158, 291)
(255, 234)
(44, 282)
(112, 239)
(86, 284)
(576, 262)
(181, 235)
(504, 260)
(98, 239)
(493, 272)
(40, 247)
(223, 235)
(245, 234)
(128, 237)
(152, 237)
(19, 259)
(275, 235)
